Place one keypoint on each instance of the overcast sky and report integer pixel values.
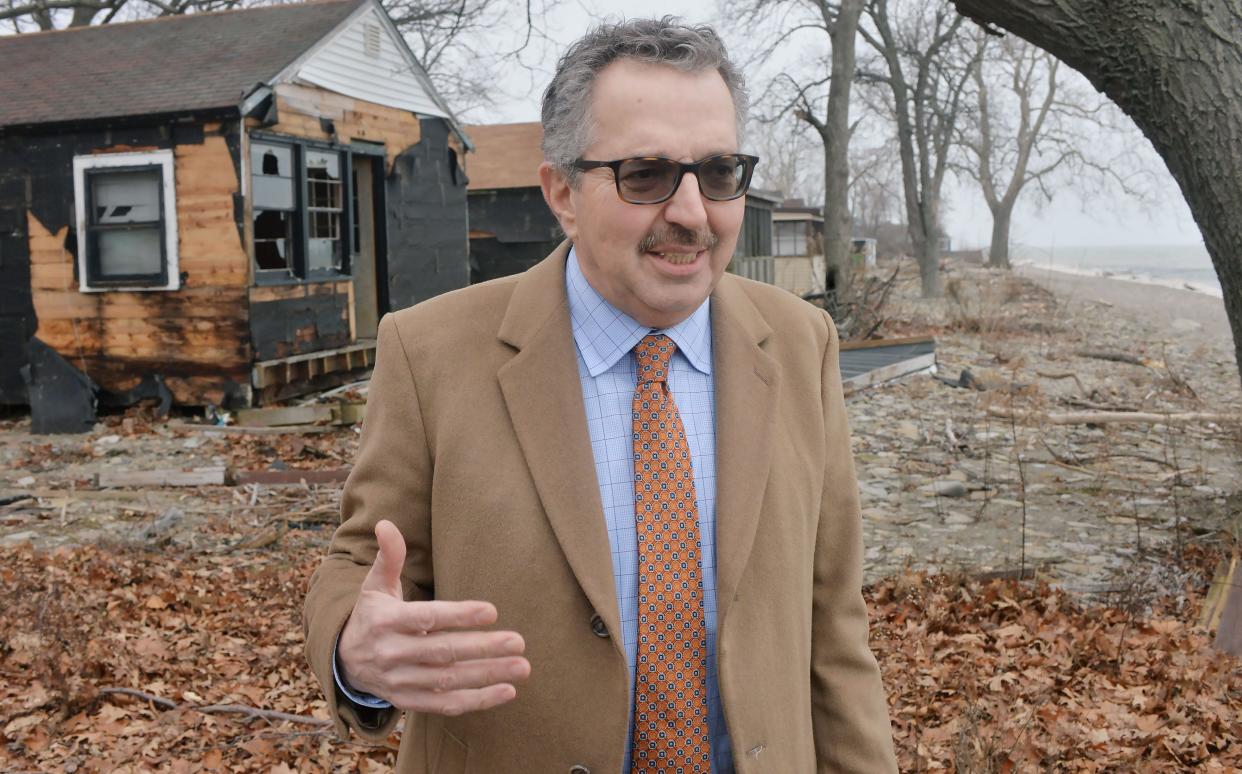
(1103, 220)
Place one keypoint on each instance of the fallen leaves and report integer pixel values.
(1002, 676)
(127, 660)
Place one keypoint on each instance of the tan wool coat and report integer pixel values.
(476, 446)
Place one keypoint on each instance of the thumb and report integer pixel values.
(385, 574)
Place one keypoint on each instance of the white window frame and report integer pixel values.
(160, 158)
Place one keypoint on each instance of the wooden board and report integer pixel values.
(291, 477)
(888, 373)
(160, 478)
(284, 415)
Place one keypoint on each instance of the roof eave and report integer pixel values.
(137, 119)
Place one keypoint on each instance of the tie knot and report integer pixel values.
(654, 353)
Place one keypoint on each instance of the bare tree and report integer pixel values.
(1031, 126)
(792, 158)
(925, 62)
(828, 114)
(875, 186)
(1188, 104)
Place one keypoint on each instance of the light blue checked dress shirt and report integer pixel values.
(605, 339)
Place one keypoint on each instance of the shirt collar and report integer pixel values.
(605, 334)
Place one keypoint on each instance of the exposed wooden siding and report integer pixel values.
(380, 74)
(196, 337)
(299, 109)
(211, 250)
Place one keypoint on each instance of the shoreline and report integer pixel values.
(1135, 277)
(1176, 310)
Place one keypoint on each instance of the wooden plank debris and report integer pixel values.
(284, 415)
(236, 430)
(291, 477)
(214, 476)
(1222, 609)
(342, 413)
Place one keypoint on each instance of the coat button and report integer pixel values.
(599, 630)
(579, 769)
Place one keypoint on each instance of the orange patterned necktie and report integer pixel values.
(670, 691)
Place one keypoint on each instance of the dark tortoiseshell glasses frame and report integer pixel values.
(654, 179)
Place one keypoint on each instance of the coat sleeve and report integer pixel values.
(849, 707)
(391, 479)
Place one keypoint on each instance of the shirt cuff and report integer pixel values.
(361, 699)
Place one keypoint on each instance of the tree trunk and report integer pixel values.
(836, 136)
(927, 250)
(998, 253)
(1176, 69)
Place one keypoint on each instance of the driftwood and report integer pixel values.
(1064, 375)
(215, 709)
(1116, 357)
(1123, 417)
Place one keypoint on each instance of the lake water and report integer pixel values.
(1178, 266)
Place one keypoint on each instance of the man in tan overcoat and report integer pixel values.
(604, 516)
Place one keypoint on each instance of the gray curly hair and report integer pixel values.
(567, 124)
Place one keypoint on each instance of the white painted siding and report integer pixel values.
(344, 66)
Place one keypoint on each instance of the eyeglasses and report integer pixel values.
(652, 179)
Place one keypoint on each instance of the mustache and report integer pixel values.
(703, 239)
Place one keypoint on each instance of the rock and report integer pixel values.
(26, 481)
(19, 537)
(946, 488)
(959, 518)
(1182, 325)
(909, 430)
(108, 439)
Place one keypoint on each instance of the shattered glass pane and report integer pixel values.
(273, 233)
(272, 176)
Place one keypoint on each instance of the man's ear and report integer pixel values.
(559, 196)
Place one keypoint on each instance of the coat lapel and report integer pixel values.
(747, 382)
(543, 395)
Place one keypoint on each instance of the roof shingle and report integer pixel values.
(166, 65)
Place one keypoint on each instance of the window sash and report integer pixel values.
(98, 234)
(321, 221)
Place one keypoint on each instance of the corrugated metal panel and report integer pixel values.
(855, 362)
(345, 67)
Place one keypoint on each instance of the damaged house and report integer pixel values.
(216, 208)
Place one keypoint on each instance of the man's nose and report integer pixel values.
(686, 207)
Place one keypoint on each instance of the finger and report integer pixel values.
(385, 573)
(436, 615)
(463, 675)
(445, 648)
(457, 702)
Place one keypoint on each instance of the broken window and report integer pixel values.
(324, 208)
(301, 222)
(126, 217)
(275, 206)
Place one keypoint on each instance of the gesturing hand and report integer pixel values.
(408, 653)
